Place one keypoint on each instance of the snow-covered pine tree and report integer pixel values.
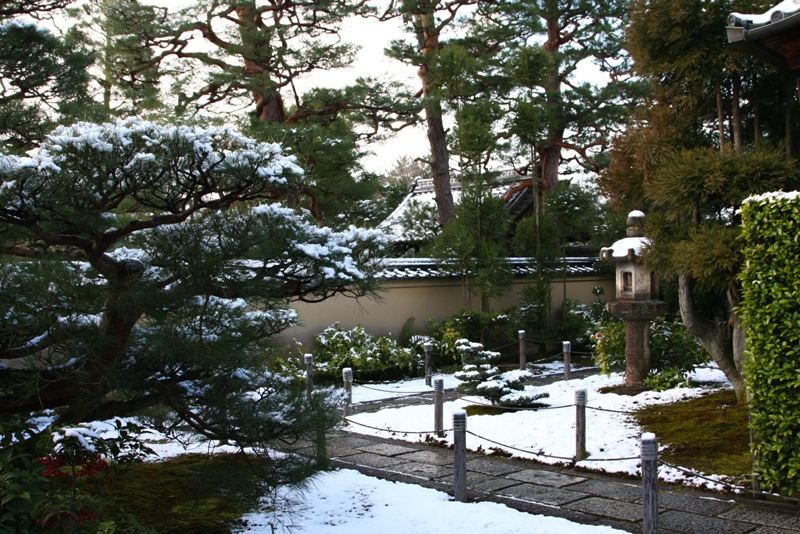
(147, 265)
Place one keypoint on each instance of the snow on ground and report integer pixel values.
(347, 501)
(547, 433)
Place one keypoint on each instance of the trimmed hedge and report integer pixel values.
(771, 313)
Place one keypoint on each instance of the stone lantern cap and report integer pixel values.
(627, 249)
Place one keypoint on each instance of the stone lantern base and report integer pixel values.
(637, 316)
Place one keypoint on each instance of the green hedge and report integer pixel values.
(771, 314)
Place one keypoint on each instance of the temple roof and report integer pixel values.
(773, 36)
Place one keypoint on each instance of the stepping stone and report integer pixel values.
(610, 508)
(430, 457)
(545, 478)
(543, 495)
(386, 449)
(700, 524)
(489, 466)
(371, 460)
(611, 490)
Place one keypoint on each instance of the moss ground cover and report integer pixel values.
(700, 437)
(190, 493)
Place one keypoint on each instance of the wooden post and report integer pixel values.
(460, 459)
(438, 407)
(347, 376)
(309, 359)
(523, 362)
(567, 346)
(428, 370)
(580, 425)
(650, 482)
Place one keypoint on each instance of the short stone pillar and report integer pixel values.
(637, 294)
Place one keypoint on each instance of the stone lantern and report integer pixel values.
(637, 294)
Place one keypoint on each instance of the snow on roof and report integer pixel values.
(779, 12)
(636, 213)
(419, 268)
(422, 193)
(620, 248)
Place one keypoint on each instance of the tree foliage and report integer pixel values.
(151, 265)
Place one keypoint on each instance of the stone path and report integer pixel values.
(579, 496)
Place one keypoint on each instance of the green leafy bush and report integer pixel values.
(771, 313)
(337, 348)
(494, 329)
(674, 350)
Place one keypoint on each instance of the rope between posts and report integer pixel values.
(389, 430)
(520, 450)
(407, 393)
(698, 475)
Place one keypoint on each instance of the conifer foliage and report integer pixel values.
(149, 265)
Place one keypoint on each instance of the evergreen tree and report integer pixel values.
(472, 245)
(44, 80)
(147, 265)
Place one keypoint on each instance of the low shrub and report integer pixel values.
(337, 348)
(674, 351)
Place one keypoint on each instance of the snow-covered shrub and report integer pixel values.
(480, 377)
(356, 348)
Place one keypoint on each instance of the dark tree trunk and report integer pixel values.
(440, 164)
(428, 39)
(722, 339)
(736, 115)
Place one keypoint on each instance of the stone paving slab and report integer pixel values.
(608, 508)
(430, 457)
(372, 460)
(423, 470)
(773, 530)
(493, 466)
(691, 503)
(770, 518)
(349, 441)
(613, 490)
(545, 478)
(541, 494)
(488, 483)
(386, 449)
(335, 451)
(700, 524)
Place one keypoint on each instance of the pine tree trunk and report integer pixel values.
(268, 100)
(428, 38)
(718, 337)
